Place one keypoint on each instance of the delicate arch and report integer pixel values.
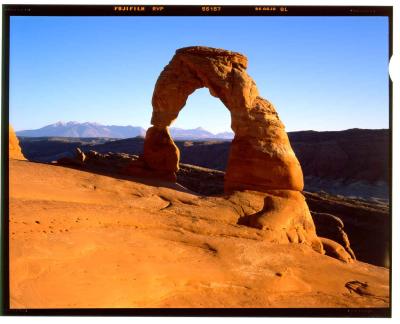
(261, 157)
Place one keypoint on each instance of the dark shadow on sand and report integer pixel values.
(154, 182)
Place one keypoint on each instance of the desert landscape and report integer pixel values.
(84, 240)
(129, 223)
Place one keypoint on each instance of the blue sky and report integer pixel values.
(321, 73)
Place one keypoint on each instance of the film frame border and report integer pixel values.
(174, 10)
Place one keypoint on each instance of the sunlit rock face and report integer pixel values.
(13, 145)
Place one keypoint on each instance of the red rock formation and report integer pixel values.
(13, 146)
(160, 153)
(261, 158)
(282, 214)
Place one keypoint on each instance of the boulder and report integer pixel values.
(335, 250)
(332, 227)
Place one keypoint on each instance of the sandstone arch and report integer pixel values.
(261, 157)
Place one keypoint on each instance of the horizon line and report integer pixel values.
(199, 127)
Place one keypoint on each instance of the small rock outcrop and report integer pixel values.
(335, 250)
(332, 227)
(100, 162)
(363, 219)
(13, 145)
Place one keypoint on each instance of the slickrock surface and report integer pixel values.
(282, 214)
(13, 145)
(80, 239)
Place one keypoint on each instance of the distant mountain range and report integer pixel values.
(75, 129)
(197, 133)
(87, 130)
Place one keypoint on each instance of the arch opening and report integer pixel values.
(205, 111)
(204, 145)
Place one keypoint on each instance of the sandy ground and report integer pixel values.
(83, 240)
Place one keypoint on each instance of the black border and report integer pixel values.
(4, 163)
(174, 10)
(194, 10)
